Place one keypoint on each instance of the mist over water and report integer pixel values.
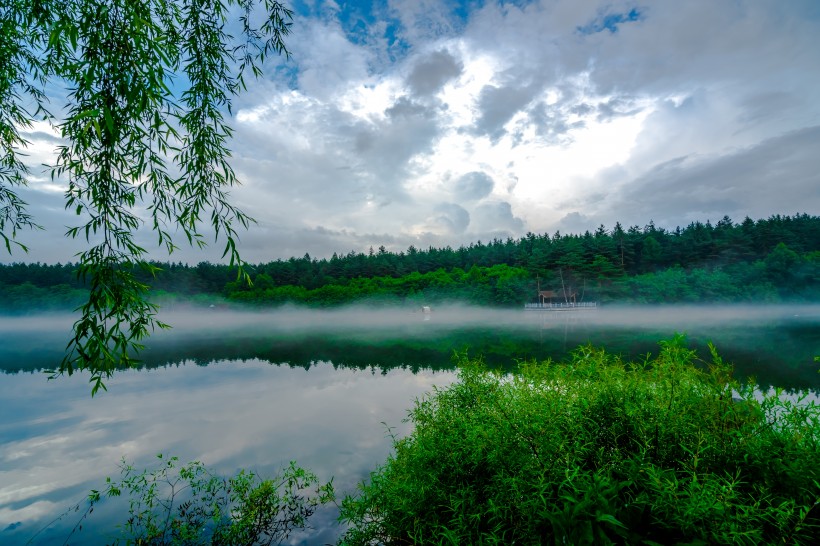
(774, 343)
(290, 318)
(295, 319)
(257, 389)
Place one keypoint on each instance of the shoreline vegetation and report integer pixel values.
(590, 450)
(595, 450)
(763, 261)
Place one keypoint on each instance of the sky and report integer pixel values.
(433, 123)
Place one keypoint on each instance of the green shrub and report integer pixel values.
(188, 505)
(598, 451)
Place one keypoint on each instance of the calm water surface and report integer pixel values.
(258, 390)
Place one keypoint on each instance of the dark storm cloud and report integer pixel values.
(473, 186)
(430, 73)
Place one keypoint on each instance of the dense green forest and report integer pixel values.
(772, 259)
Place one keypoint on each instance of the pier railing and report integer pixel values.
(561, 306)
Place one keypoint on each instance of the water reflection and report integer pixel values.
(60, 443)
(776, 344)
(338, 376)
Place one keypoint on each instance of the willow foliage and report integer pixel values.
(147, 84)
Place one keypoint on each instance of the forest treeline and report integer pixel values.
(772, 259)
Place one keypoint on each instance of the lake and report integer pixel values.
(257, 390)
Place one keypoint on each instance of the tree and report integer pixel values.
(781, 266)
(148, 84)
(650, 253)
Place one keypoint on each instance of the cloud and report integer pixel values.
(616, 107)
(574, 222)
(451, 217)
(473, 186)
(555, 124)
(722, 44)
(778, 174)
(409, 128)
(324, 163)
(497, 219)
(431, 72)
(610, 21)
(329, 62)
(318, 241)
(498, 105)
(440, 123)
(424, 20)
(761, 107)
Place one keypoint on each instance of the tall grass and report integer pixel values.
(598, 451)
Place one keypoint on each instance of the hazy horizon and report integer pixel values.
(292, 316)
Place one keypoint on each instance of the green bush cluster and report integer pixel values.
(598, 451)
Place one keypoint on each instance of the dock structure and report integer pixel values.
(567, 306)
(567, 293)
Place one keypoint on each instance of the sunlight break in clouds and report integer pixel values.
(442, 123)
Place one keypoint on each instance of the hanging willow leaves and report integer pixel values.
(145, 140)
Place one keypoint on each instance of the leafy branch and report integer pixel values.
(148, 84)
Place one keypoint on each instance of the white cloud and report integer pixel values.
(330, 62)
(576, 112)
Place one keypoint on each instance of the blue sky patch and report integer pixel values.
(611, 21)
(357, 17)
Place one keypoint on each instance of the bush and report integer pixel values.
(188, 505)
(599, 451)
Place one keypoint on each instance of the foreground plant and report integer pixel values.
(144, 139)
(598, 451)
(189, 505)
